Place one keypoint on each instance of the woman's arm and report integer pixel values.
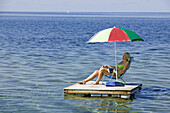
(126, 66)
(121, 71)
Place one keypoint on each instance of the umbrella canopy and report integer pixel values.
(113, 35)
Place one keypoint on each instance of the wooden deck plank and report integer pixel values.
(100, 92)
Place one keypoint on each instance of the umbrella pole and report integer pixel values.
(116, 60)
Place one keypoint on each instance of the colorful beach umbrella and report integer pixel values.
(115, 34)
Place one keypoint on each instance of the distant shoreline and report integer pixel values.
(72, 12)
(91, 14)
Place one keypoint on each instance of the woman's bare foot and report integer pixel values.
(82, 82)
(95, 83)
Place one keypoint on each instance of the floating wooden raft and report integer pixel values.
(102, 90)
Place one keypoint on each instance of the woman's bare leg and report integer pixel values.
(102, 72)
(99, 73)
(91, 77)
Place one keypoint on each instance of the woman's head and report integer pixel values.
(126, 56)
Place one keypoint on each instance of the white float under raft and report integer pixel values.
(88, 89)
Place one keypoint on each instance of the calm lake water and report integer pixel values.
(40, 54)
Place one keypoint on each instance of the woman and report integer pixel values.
(110, 70)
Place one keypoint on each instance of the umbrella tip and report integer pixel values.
(114, 27)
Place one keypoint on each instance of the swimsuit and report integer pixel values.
(110, 70)
(120, 66)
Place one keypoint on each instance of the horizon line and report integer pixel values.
(86, 11)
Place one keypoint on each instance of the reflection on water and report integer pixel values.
(101, 104)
